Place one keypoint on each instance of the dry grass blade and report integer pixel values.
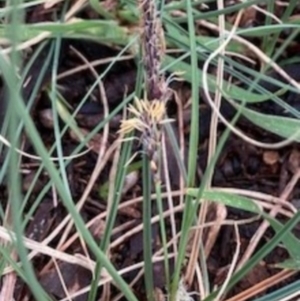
(263, 285)
(43, 249)
(8, 286)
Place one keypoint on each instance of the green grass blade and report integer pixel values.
(193, 146)
(163, 233)
(14, 181)
(283, 293)
(147, 229)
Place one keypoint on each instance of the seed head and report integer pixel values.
(147, 116)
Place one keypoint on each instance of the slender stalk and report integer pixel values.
(148, 115)
(147, 233)
(163, 231)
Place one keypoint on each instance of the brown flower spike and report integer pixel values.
(149, 114)
(153, 48)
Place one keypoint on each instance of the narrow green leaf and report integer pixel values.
(228, 199)
(101, 30)
(282, 126)
(291, 243)
(234, 92)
